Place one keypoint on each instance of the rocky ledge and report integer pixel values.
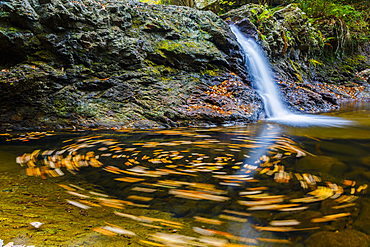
(122, 64)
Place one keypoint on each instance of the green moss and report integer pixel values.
(212, 72)
(355, 60)
(186, 47)
(45, 55)
(10, 29)
(86, 110)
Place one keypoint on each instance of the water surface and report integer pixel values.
(261, 185)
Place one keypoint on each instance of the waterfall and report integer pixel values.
(262, 79)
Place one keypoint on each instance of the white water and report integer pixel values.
(261, 76)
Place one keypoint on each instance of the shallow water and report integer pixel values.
(260, 185)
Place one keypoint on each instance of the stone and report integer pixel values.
(248, 28)
(365, 73)
(366, 161)
(321, 164)
(212, 5)
(121, 64)
(128, 64)
(362, 222)
(345, 238)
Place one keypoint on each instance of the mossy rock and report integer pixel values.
(321, 164)
(366, 161)
(346, 238)
(363, 221)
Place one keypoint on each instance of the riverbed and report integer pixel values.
(263, 184)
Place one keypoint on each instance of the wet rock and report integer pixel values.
(180, 210)
(365, 73)
(248, 28)
(212, 5)
(121, 64)
(359, 174)
(345, 238)
(366, 161)
(321, 164)
(306, 216)
(362, 223)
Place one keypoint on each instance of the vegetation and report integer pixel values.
(347, 20)
(350, 19)
(225, 6)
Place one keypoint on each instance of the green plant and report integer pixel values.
(351, 21)
(298, 71)
(151, 1)
(261, 35)
(314, 62)
(264, 15)
(225, 6)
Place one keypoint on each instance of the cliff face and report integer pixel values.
(119, 64)
(310, 74)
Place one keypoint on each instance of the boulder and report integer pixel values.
(366, 161)
(248, 28)
(119, 64)
(365, 73)
(362, 223)
(205, 5)
(345, 238)
(321, 164)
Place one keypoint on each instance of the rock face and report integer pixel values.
(299, 54)
(119, 64)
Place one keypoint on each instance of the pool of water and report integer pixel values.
(261, 185)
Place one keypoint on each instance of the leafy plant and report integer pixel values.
(225, 6)
(261, 17)
(351, 20)
(314, 62)
(298, 71)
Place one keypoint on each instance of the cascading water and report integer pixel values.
(261, 76)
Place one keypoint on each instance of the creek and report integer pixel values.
(265, 184)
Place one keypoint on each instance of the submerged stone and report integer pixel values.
(345, 238)
(321, 164)
(363, 221)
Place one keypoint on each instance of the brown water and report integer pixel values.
(260, 185)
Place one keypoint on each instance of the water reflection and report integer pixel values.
(267, 135)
